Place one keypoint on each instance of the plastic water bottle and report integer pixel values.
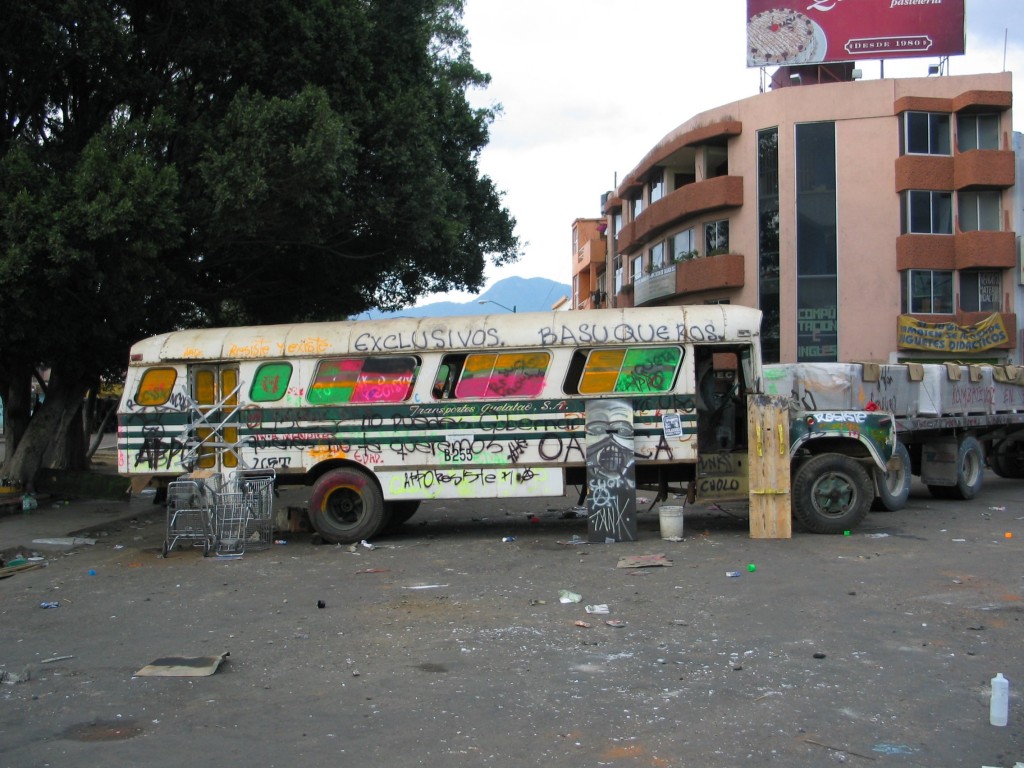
(998, 709)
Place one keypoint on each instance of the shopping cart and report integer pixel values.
(243, 514)
(190, 512)
(258, 486)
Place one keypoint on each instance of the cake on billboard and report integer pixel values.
(818, 31)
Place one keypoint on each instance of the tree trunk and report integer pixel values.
(45, 440)
(17, 392)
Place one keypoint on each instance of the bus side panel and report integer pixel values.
(476, 483)
(151, 439)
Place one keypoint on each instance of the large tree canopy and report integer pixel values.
(169, 164)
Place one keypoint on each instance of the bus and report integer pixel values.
(379, 415)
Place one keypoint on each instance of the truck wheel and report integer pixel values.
(970, 471)
(831, 493)
(892, 489)
(399, 512)
(1008, 461)
(347, 506)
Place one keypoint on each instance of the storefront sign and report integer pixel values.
(950, 337)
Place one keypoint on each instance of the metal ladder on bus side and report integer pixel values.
(191, 444)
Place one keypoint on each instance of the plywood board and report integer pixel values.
(769, 461)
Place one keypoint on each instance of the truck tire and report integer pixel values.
(970, 472)
(347, 506)
(1008, 460)
(831, 493)
(892, 489)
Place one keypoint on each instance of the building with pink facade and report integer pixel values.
(868, 220)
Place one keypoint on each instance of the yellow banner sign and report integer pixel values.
(950, 337)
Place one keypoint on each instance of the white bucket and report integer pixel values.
(671, 519)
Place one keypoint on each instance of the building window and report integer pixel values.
(617, 223)
(927, 213)
(977, 132)
(926, 133)
(716, 237)
(979, 210)
(657, 256)
(683, 245)
(981, 290)
(927, 291)
(638, 267)
(656, 188)
(637, 205)
(768, 242)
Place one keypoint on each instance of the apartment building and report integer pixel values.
(868, 220)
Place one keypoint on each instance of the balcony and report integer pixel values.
(984, 168)
(964, 250)
(924, 172)
(685, 202)
(689, 277)
(591, 253)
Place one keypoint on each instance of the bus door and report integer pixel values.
(721, 426)
(214, 390)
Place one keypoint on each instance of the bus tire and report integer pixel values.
(892, 489)
(970, 472)
(399, 512)
(347, 506)
(1008, 460)
(831, 493)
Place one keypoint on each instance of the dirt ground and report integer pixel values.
(447, 644)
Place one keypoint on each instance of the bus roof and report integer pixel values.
(699, 324)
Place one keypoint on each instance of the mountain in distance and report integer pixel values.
(525, 294)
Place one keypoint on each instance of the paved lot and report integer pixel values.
(447, 645)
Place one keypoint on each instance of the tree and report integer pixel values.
(173, 164)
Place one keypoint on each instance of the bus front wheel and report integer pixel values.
(346, 506)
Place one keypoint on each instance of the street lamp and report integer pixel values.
(511, 309)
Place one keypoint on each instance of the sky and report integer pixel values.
(587, 87)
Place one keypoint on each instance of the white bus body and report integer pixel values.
(396, 411)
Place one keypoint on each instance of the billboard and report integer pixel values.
(817, 31)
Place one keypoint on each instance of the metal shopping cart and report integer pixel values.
(222, 515)
(243, 514)
(190, 512)
(258, 487)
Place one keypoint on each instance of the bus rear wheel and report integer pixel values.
(347, 506)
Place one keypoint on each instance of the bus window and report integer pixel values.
(363, 380)
(507, 374)
(639, 370)
(270, 382)
(447, 374)
(155, 386)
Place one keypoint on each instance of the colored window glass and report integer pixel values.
(363, 380)
(640, 370)
(155, 386)
(270, 382)
(509, 374)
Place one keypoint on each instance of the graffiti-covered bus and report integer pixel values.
(379, 415)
